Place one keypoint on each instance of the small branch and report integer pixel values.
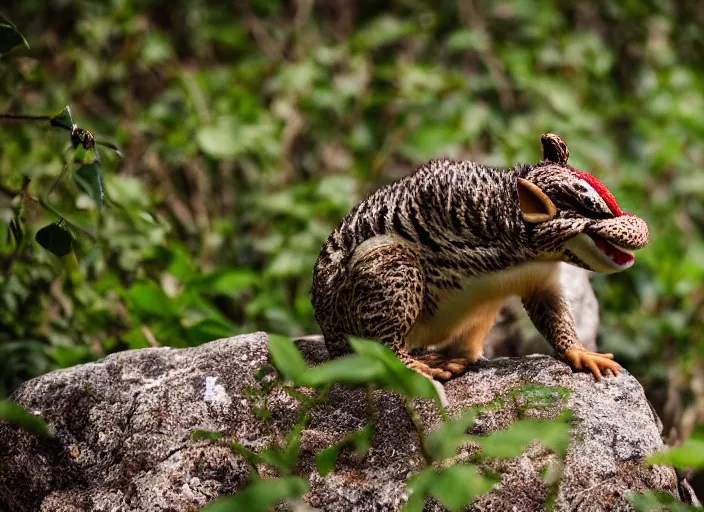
(22, 117)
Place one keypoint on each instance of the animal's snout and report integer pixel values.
(625, 231)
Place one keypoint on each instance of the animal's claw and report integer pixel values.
(440, 367)
(594, 362)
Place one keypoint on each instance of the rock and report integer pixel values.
(123, 428)
(514, 334)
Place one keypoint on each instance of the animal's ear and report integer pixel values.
(535, 205)
(554, 149)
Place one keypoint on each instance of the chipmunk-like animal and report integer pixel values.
(429, 260)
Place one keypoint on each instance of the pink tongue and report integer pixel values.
(618, 257)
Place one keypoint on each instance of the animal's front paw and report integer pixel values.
(440, 367)
(594, 362)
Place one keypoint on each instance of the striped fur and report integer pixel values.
(415, 251)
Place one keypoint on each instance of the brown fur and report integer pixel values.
(429, 260)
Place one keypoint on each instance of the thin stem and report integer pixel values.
(373, 412)
(41, 202)
(76, 227)
(413, 415)
(18, 242)
(110, 145)
(56, 182)
(22, 117)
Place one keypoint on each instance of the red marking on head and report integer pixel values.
(601, 189)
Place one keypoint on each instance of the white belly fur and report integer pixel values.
(478, 301)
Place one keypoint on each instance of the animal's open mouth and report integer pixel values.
(618, 255)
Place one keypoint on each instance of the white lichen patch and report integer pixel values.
(215, 393)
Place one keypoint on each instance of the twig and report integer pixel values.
(52, 120)
(147, 332)
(22, 117)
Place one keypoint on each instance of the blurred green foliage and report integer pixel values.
(13, 413)
(249, 129)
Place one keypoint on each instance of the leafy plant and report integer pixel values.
(689, 454)
(57, 238)
(651, 501)
(375, 366)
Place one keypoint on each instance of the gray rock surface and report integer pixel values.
(123, 429)
(514, 334)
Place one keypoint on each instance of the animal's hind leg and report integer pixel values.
(466, 347)
(387, 290)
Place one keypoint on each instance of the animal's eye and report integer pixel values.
(585, 197)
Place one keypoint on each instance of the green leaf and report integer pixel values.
(88, 177)
(260, 495)
(55, 238)
(464, 39)
(148, 299)
(198, 435)
(554, 434)
(398, 377)
(353, 369)
(218, 141)
(15, 414)
(283, 459)
(382, 30)
(325, 459)
(63, 118)
(228, 138)
(649, 501)
(287, 359)
(208, 330)
(534, 396)
(444, 441)
(250, 456)
(16, 230)
(455, 486)
(362, 439)
(225, 282)
(10, 37)
(69, 355)
(432, 139)
(689, 454)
